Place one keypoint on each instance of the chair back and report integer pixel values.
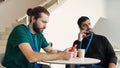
(1, 59)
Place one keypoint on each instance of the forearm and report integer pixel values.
(111, 65)
(50, 50)
(54, 51)
(33, 56)
(38, 56)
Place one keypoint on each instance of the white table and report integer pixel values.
(74, 61)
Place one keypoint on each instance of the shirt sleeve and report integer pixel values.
(18, 36)
(44, 42)
(110, 52)
(76, 42)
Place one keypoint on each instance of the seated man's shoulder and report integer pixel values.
(100, 36)
(21, 26)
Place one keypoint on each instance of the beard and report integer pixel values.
(88, 32)
(36, 28)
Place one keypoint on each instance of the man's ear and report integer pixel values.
(80, 28)
(33, 19)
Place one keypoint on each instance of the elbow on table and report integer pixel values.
(33, 58)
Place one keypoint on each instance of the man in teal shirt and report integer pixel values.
(24, 43)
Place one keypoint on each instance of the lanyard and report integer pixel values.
(34, 42)
(88, 45)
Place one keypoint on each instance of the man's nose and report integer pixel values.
(88, 27)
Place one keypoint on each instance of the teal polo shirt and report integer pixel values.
(14, 58)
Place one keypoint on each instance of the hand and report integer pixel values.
(75, 54)
(81, 35)
(67, 49)
(67, 55)
(112, 65)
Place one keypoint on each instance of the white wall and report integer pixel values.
(62, 28)
(10, 10)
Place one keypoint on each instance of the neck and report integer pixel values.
(88, 37)
(31, 29)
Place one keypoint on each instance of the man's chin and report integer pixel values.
(41, 31)
(89, 34)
